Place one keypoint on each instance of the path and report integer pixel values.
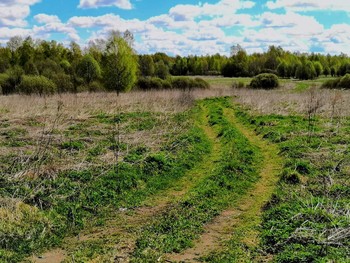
(245, 218)
(127, 224)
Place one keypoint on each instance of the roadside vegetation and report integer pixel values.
(106, 155)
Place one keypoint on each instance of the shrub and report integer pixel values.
(264, 81)
(150, 83)
(331, 84)
(344, 82)
(200, 83)
(63, 82)
(189, 83)
(3, 79)
(238, 85)
(96, 86)
(181, 83)
(338, 83)
(37, 84)
(13, 80)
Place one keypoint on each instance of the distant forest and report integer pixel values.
(39, 66)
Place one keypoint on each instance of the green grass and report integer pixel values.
(226, 81)
(310, 203)
(71, 200)
(235, 172)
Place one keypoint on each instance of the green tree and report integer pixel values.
(318, 68)
(120, 65)
(146, 65)
(88, 69)
(162, 70)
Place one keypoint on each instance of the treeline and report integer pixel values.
(283, 63)
(37, 66)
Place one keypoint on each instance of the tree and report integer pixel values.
(282, 69)
(146, 65)
(88, 69)
(162, 70)
(318, 68)
(120, 65)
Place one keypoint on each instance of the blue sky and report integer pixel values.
(185, 26)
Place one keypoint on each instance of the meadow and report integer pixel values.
(213, 175)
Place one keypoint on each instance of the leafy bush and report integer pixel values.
(189, 83)
(344, 82)
(63, 82)
(13, 80)
(3, 80)
(265, 81)
(238, 85)
(37, 84)
(331, 84)
(338, 83)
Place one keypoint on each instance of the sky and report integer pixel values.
(185, 27)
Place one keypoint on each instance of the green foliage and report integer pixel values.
(306, 71)
(63, 82)
(182, 83)
(37, 84)
(186, 83)
(88, 69)
(15, 75)
(344, 82)
(161, 70)
(121, 66)
(338, 83)
(146, 66)
(264, 81)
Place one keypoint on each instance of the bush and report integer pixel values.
(96, 86)
(344, 82)
(264, 81)
(13, 80)
(338, 83)
(200, 83)
(189, 83)
(63, 82)
(37, 84)
(331, 84)
(238, 85)
(150, 83)
(3, 79)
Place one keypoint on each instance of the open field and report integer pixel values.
(217, 175)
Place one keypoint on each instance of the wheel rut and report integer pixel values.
(122, 232)
(242, 221)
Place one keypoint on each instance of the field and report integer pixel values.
(218, 175)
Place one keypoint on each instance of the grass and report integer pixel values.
(306, 212)
(66, 201)
(58, 172)
(235, 172)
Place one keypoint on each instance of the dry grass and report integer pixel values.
(332, 103)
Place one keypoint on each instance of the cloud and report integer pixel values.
(47, 19)
(14, 12)
(223, 7)
(309, 5)
(122, 4)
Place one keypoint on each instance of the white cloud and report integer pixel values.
(14, 12)
(47, 19)
(307, 5)
(122, 4)
(223, 7)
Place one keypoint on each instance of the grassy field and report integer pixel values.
(218, 175)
